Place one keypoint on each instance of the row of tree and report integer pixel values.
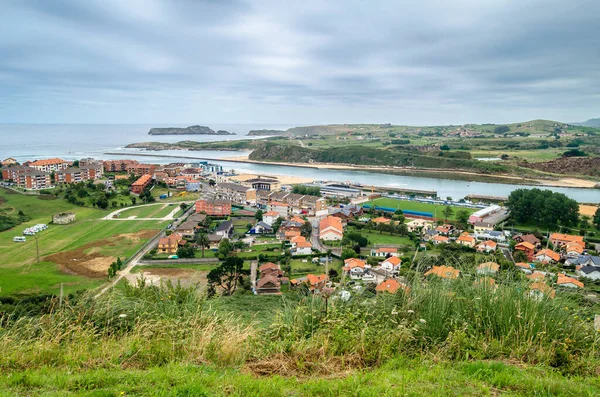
(543, 207)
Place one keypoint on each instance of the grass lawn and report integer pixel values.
(300, 268)
(261, 249)
(435, 209)
(400, 376)
(251, 308)
(18, 271)
(149, 211)
(375, 237)
(176, 195)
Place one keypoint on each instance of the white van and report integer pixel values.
(20, 239)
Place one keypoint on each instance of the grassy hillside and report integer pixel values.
(442, 338)
(73, 254)
(511, 147)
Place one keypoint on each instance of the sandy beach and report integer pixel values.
(283, 179)
(562, 182)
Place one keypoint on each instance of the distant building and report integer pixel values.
(169, 244)
(8, 162)
(141, 169)
(234, 192)
(50, 165)
(27, 177)
(213, 207)
(331, 228)
(118, 165)
(138, 186)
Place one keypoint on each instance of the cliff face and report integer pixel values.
(191, 130)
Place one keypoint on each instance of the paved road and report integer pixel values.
(135, 260)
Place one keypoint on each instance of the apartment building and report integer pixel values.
(232, 191)
(27, 177)
(213, 207)
(50, 165)
(88, 172)
(118, 165)
(138, 186)
(141, 169)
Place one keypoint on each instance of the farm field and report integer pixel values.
(149, 211)
(435, 209)
(77, 254)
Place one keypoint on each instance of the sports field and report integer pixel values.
(149, 211)
(77, 254)
(435, 209)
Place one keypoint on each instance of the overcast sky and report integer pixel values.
(299, 62)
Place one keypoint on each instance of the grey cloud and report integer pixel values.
(430, 62)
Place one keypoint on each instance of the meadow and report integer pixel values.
(89, 237)
(448, 338)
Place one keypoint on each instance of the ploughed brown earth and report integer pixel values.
(568, 165)
(87, 261)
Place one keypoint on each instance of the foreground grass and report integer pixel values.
(442, 338)
(400, 376)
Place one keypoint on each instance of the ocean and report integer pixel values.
(73, 141)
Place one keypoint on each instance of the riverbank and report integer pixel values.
(441, 173)
(457, 184)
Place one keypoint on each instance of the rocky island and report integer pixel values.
(191, 130)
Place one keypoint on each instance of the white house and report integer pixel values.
(417, 224)
(487, 246)
(303, 248)
(590, 272)
(384, 252)
(270, 217)
(392, 264)
(331, 228)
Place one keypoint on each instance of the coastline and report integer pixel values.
(566, 182)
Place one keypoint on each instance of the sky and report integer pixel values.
(299, 62)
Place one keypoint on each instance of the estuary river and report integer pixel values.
(71, 142)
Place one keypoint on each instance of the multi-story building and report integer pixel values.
(138, 186)
(118, 165)
(232, 191)
(86, 172)
(27, 177)
(283, 209)
(213, 207)
(8, 162)
(141, 169)
(50, 165)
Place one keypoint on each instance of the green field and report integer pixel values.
(88, 235)
(300, 268)
(149, 211)
(385, 238)
(435, 209)
(261, 249)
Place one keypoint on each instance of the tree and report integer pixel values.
(203, 242)
(462, 217)
(258, 215)
(348, 253)
(225, 247)
(584, 222)
(596, 220)
(448, 211)
(119, 263)
(186, 252)
(306, 229)
(228, 274)
(501, 129)
(133, 200)
(542, 207)
(211, 182)
(183, 206)
(76, 163)
(444, 147)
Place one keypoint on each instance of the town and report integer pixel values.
(325, 236)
